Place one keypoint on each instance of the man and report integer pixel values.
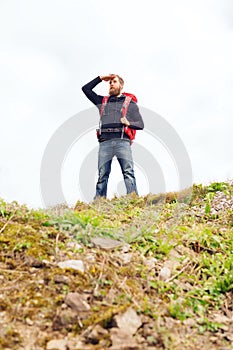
(113, 141)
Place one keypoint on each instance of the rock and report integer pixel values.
(122, 340)
(32, 262)
(171, 323)
(112, 294)
(77, 344)
(190, 322)
(185, 286)
(164, 274)
(148, 330)
(68, 317)
(73, 245)
(64, 319)
(59, 344)
(72, 264)
(29, 321)
(128, 321)
(126, 248)
(90, 258)
(97, 334)
(150, 263)
(229, 336)
(218, 318)
(61, 279)
(106, 243)
(77, 302)
(126, 258)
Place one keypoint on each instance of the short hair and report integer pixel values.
(120, 79)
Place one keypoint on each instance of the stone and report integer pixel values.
(73, 245)
(97, 334)
(72, 264)
(77, 302)
(61, 279)
(59, 344)
(68, 317)
(190, 322)
(164, 274)
(29, 321)
(126, 258)
(218, 318)
(229, 336)
(106, 243)
(126, 248)
(150, 263)
(122, 340)
(128, 321)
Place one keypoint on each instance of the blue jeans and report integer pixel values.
(122, 150)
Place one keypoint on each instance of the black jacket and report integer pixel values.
(112, 112)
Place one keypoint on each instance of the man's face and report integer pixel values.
(115, 87)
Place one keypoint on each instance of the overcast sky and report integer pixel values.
(176, 56)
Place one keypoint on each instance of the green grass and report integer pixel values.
(175, 230)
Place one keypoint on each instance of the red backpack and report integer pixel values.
(131, 133)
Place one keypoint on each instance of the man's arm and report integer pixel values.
(88, 89)
(91, 95)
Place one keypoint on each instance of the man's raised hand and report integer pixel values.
(107, 77)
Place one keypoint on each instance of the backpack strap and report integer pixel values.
(125, 105)
(124, 110)
(101, 111)
(104, 102)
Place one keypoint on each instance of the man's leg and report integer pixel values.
(124, 157)
(104, 168)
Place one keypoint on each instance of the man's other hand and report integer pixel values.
(125, 121)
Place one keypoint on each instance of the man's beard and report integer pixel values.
(114, 92)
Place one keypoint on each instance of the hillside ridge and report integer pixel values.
(130, 273)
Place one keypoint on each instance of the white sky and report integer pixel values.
(176, 56)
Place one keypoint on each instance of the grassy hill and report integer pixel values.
(153, 272)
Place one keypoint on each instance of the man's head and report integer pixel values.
(116, 85)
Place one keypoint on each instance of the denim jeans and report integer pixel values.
(122, 150)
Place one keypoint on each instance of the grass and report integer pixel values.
(173, 230)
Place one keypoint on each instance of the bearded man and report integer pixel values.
(112, 141)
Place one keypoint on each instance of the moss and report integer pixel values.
(19, 239)
(105, 316)
(10, 338)
(32, 242)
